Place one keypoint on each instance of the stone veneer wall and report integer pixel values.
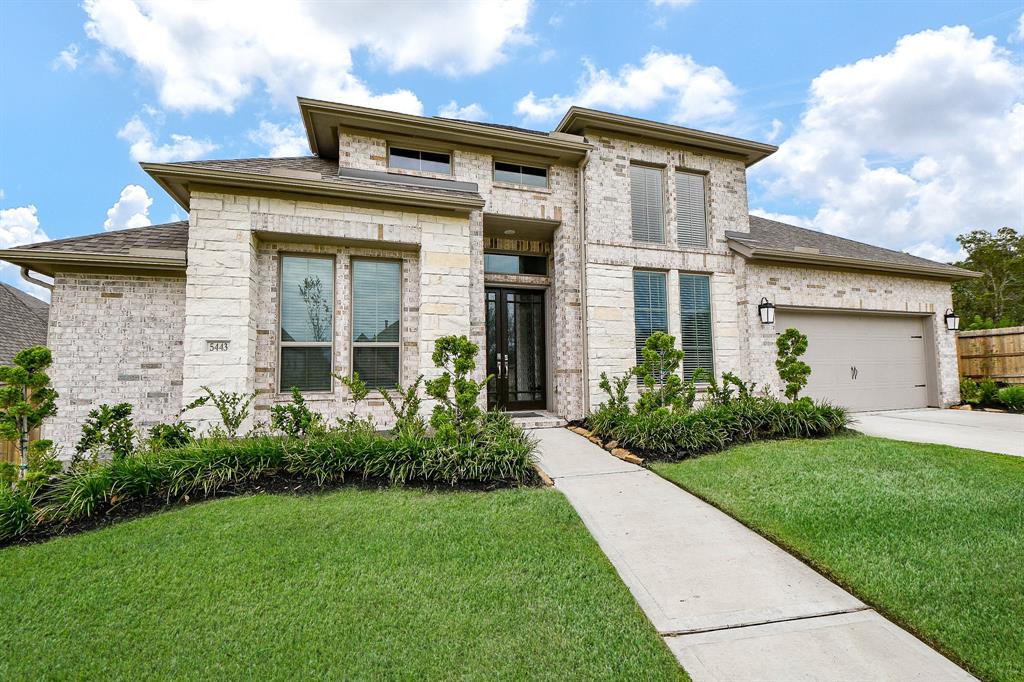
(612, 255)
(115, 338)
(843, 291)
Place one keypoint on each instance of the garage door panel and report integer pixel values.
(863, 362)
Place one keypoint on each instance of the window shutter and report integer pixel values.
(691, 215)
(645, 199)
(650, 307)
(695, 313)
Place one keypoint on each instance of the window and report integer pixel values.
(520, 175)
(645, 197)
(376, 321)
(650, 306)
(695, 311)
(412, 159)
(691, 216)
(515, 265)
(307, 322)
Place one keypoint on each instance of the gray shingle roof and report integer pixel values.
(23, 320)
(169, 236)
(772, 234)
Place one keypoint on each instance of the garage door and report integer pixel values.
(863, 362)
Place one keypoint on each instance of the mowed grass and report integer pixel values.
(931, 535)
(355, 584)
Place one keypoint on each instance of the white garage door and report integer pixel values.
(863, 362)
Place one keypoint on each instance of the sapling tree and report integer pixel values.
(457, 415)
(357, 392)
(791, 344)
(659, 373)
(233, 407)
(26, 398)
(109, 429)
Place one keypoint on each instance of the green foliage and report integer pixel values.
(8, 474)
(989, 391)
(26, 398)
(108, 430)
(791, 344)
(977, 323)
(16, 513)
(169, 436)
(659, 375)
(295, 419)
(407, 408)
(723, 394)
(1012, 397)
(357, 390)
(997, 297)
(232, 407)
(970, 392)
(457, 415)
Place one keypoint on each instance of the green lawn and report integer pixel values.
(360, 584)
(931, 535)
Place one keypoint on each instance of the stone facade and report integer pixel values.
(116, 338)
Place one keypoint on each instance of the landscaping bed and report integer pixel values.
(356, 583)
(930, 535)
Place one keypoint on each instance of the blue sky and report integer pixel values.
(899, 123)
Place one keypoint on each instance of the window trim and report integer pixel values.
(494, 171)
(705, 177)
(417, 147)
(333, 258)
(711, 313)
(660, 168)
(352, 343)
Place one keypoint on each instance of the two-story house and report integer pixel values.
(557, 252)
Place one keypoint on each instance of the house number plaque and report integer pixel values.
(217, 345)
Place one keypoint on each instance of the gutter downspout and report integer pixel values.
(581, 220)
(29, 278)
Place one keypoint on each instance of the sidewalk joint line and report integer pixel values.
(597, 473)
(698, 631)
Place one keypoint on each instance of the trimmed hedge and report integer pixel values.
(663, 434)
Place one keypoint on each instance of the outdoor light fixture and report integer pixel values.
(767, 311)
(952, 320)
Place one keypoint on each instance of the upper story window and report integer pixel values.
(307, 322)
(645, 197)
(418, 160)
(376, 321)
(520, 175)
(691, 211)
(512, 264)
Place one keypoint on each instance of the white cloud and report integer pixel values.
(144, 145)
(212, 55)
(281, 140)
(672, 3)
(130, 210)
(1018, 35)
(775, 131)
(910, 148)
(787, 218)
(20, 226)
(470, 112)
(66, 58)
(691, 92)
(937, 253)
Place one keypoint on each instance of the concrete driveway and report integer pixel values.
(989, 431)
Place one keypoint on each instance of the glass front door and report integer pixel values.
(515, 349)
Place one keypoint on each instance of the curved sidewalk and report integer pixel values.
(730, 604)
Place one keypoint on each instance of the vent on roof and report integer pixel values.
(296, 173)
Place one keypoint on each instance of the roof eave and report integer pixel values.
(175, 178)
(50, 262)
(758, 253)
(578, 118)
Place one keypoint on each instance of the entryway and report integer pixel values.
(515, 349)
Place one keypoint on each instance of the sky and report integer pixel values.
(898, 123)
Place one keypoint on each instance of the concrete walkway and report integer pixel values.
(730, 604)
(989, 431)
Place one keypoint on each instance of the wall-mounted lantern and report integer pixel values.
(766, 310)
(952, 320)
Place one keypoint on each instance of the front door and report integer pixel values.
(515, 349)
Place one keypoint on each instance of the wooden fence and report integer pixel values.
(9, 448)
(994, 353)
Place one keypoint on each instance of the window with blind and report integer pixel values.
(650, 307)
(376, 321)
(307, 323)
(691, 215)
(695, 313)
(645, 198)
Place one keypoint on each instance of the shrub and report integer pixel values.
(989, 391)
(42, 457)
(407, 412)
(722, 394)
(659, 374)
(457, 416)
(1012, 397)
(8, 474)
(232, 407)
(16, 513)
(170, 436)
(26, 398)
(791, 344)
(295, 419)
(358, 390)
(108, 430)
(970, 392)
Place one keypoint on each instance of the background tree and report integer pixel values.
(26, 398)
(997, 297)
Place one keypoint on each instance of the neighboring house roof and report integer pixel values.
(23, 320)
(775, 241)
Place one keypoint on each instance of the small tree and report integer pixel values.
(791, 345)
(26, 398)
(233, 407)
(457, 414)
(357, 392)
(659, 373)
(110, 429)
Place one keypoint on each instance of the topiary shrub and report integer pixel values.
(659, 374)
(791, 344)
(457, 415)
(26, 398)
